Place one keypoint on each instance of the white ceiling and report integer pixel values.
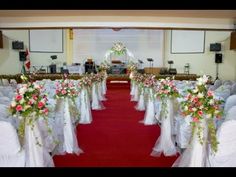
(229, 14)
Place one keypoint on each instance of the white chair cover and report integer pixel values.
(230, 102)
(231, 114)
(183, 131)
(85, 109)
(195, 155)
(5, 82)
(149, 117)
(5, 100)
(11, 153)
(165, 143)
(96, 104)
(233, 89)
(226, 154)
(36, 154)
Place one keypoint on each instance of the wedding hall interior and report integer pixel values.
(117, 88)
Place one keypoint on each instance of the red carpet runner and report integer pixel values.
(115, 138)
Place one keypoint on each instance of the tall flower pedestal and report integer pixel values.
(135, 95)
(196, 153)
(149, 117)
(165, 143)
(100, 91)
(141, 103)
(85, 109)
(66, 118)
(36, 154)
(96, 104)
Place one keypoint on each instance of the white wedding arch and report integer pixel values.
(119, 52)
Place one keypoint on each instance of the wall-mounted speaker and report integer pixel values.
(17, 45)
(218, 58)
(215, 47)
(22, 56)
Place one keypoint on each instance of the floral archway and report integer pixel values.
(119, 50)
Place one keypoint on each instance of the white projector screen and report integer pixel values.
(50, 41)
(187, 41)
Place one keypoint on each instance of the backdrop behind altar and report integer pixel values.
(94, 43)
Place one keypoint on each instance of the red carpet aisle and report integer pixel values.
(116, 138)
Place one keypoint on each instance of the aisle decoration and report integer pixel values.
(165, 90)
(201, 104)
(29, 105)
(67, 91)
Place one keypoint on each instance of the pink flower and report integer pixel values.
(195, 99)
(35, 97)
(30, 102)
(200, 113)
(45, 111)
(18, 97)
(19, 108)
(63, 92)
(40, 105)
(209, 93)
(57, 91)
(195, 119)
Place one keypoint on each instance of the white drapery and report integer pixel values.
(165, 143)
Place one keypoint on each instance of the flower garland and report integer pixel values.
(28, 105)
(200, 104)
(166, 89)
(118, 48)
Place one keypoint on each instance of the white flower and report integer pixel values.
(27, 107)
(13, 103)
(30, 89)
(201, 107)
(195, 90)
(194, 109)
(22, 101)
(185, 108)
(20, 117)
(22, 90)
(217, 111)
(200, 95)
(36, 85)
(208, 116)
(211, 102)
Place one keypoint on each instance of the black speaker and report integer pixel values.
(22, 56)
(215, 47)
(218, 58)
(17, 45)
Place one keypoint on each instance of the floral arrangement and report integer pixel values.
(131, 67)
(86, 81)
(98, 77)
(118, 48)
(28, 104)
(149, 81)
(166, 89)
(66, 88)
(200, 104)
(104, 66)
